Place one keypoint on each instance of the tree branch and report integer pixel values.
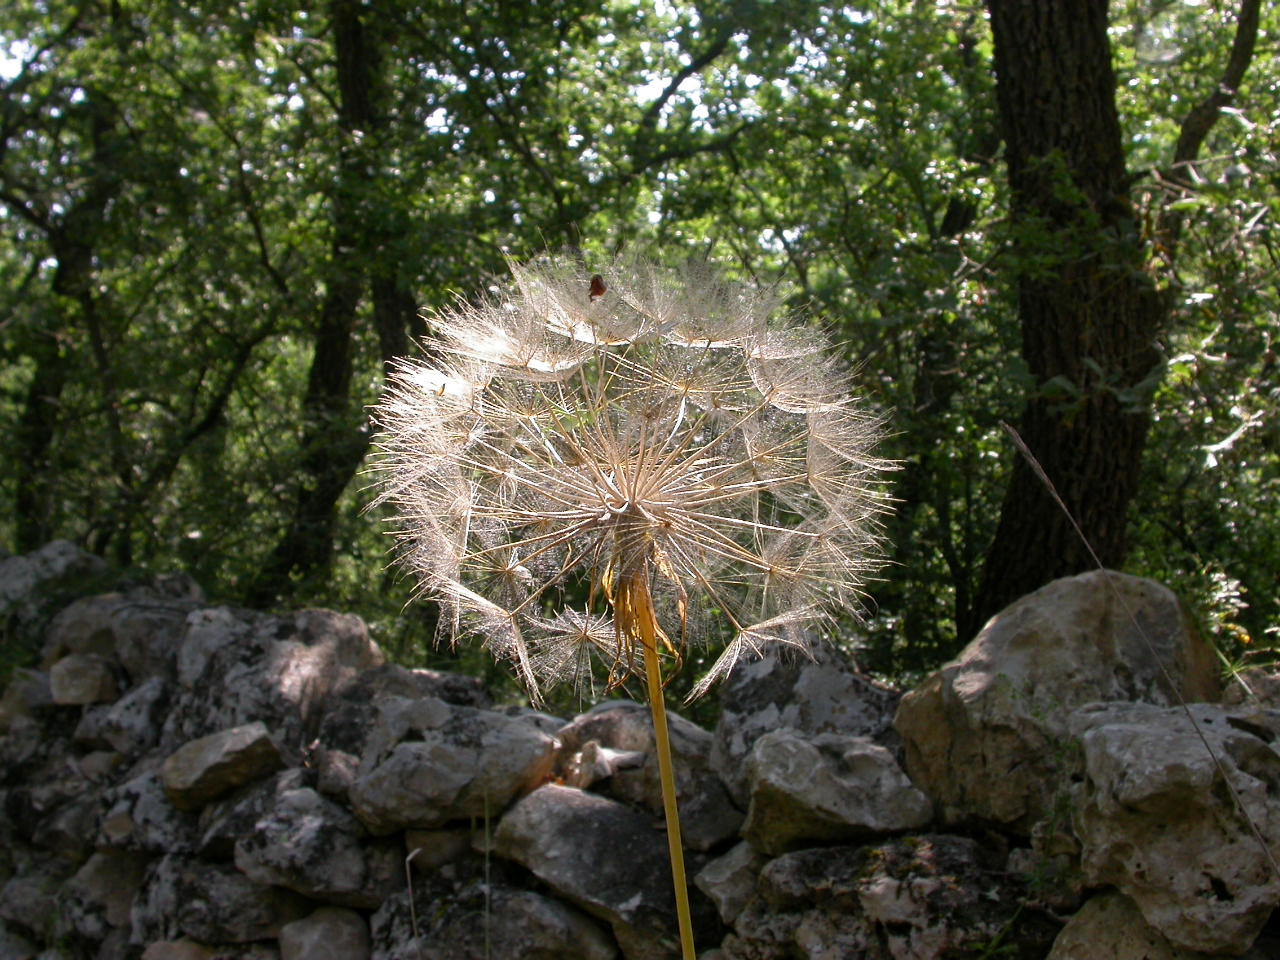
(1199, 122)
(650, 118)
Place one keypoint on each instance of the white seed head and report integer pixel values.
(558, 439)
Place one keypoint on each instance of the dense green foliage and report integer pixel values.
(212, 217)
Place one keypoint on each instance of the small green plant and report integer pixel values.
(594, 472)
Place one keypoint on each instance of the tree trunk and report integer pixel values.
(336, 436)
(1089, 313)
(332, 446)
(72, 241)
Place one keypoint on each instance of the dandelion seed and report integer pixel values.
(590, 485)
(556, 448)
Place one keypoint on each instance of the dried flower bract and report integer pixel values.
(584, 449)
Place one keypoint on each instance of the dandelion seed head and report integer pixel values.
(559, 440)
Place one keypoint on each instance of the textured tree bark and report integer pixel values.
(72, 240)
(335, 437)
(1089, 313)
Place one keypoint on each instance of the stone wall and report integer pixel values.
(184, 780)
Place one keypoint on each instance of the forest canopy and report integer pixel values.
(220, 222)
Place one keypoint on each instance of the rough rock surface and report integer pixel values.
(780, 690)
(100, 894)
(1259, 686)
(351, 714)
(131, 725)
(598, 853)
(139, 816)
(49, 799)
(1155, 820)
(27, 583)
(1110, 927)
(29, 898)
(730, 880)
(986, 736)
(140, 626)
(236, 667)
(22, 576)
(82, 678)
(187, 949)
(210, 903)
(429, 850)
(611, 747)
(523, 924)
(311, 845)
(428, 762)
(28, 692)
(830, 787)
(97, 862)
(205, 769)
(331, 933)
(14, 946)
(918, 898)
(235, 816)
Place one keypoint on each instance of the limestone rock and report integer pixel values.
(985, 736)
(131, 725)
(309, 844)
(205, 769)
(730, 880)
(330, 933)
(351, 714)
(51, 801)
(68, 829)
(917, 898)
(27, 692)
(140, 817)
(429, 850)
(209, 902)
(178, 950)
(513, 923)
(1155, 820)
(597, 853)
(29, 898)
(224, 822)
(611, 747)
(236, 667)
(822, 695)
(427, 762)
(83, 627)
(88, 733)
(186, 949)
(139, 626)
(14, 946)
(1110, 927)
(24, 578)
(100, 894)
(83, 678)
(830, 787)
(546, 722)
(1256, 685)
(100, 766)
(22, 575)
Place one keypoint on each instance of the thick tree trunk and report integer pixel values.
(332, 445)
(72, 242)
(33, 510)
(336, 435)
(1089, 313)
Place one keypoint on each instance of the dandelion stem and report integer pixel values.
(641, 622)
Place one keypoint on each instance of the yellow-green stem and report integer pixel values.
(666, 773)
(645, 624)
